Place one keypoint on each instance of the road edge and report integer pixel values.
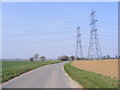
(23, 74)
(77, 85)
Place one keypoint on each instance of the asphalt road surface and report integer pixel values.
(50, 76)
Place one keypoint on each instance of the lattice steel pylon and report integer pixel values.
(78, 44)
(94, 51)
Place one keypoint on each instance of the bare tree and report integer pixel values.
(36, 56)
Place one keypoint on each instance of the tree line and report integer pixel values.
(68, 58)
(36, 57)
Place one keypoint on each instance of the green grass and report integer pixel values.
(11, 69)
(89, 79)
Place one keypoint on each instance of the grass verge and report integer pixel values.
(90, 79)
(11, 69)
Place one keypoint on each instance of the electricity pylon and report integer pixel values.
(78, 44)
(94, 51)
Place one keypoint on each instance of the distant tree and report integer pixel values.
(116, 57)
(43, 58)
(36, 56)
(64, 58)
(77, 58)
(31, 59)
(104, 57)
(82, 58)
(108, 56)
(72, 57)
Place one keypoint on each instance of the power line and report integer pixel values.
(54, 22)
(107, 18)
(44, 22)
(39, 34)
(33, 42)
(46, 33)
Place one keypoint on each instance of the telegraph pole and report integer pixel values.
(94, 51)
(78, 44)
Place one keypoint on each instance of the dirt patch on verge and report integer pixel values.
(104, 67)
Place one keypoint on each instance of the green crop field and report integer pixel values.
(89, 79)
(11, 69)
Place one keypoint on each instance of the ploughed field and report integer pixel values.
(107, 67)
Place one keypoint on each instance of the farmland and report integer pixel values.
(11, 69)
(104, 67)
(89, 79)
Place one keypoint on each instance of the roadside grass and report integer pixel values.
(90, 79)
(11, 69)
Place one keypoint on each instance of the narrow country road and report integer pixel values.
(50, 76)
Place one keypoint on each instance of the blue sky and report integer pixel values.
(49, 29)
